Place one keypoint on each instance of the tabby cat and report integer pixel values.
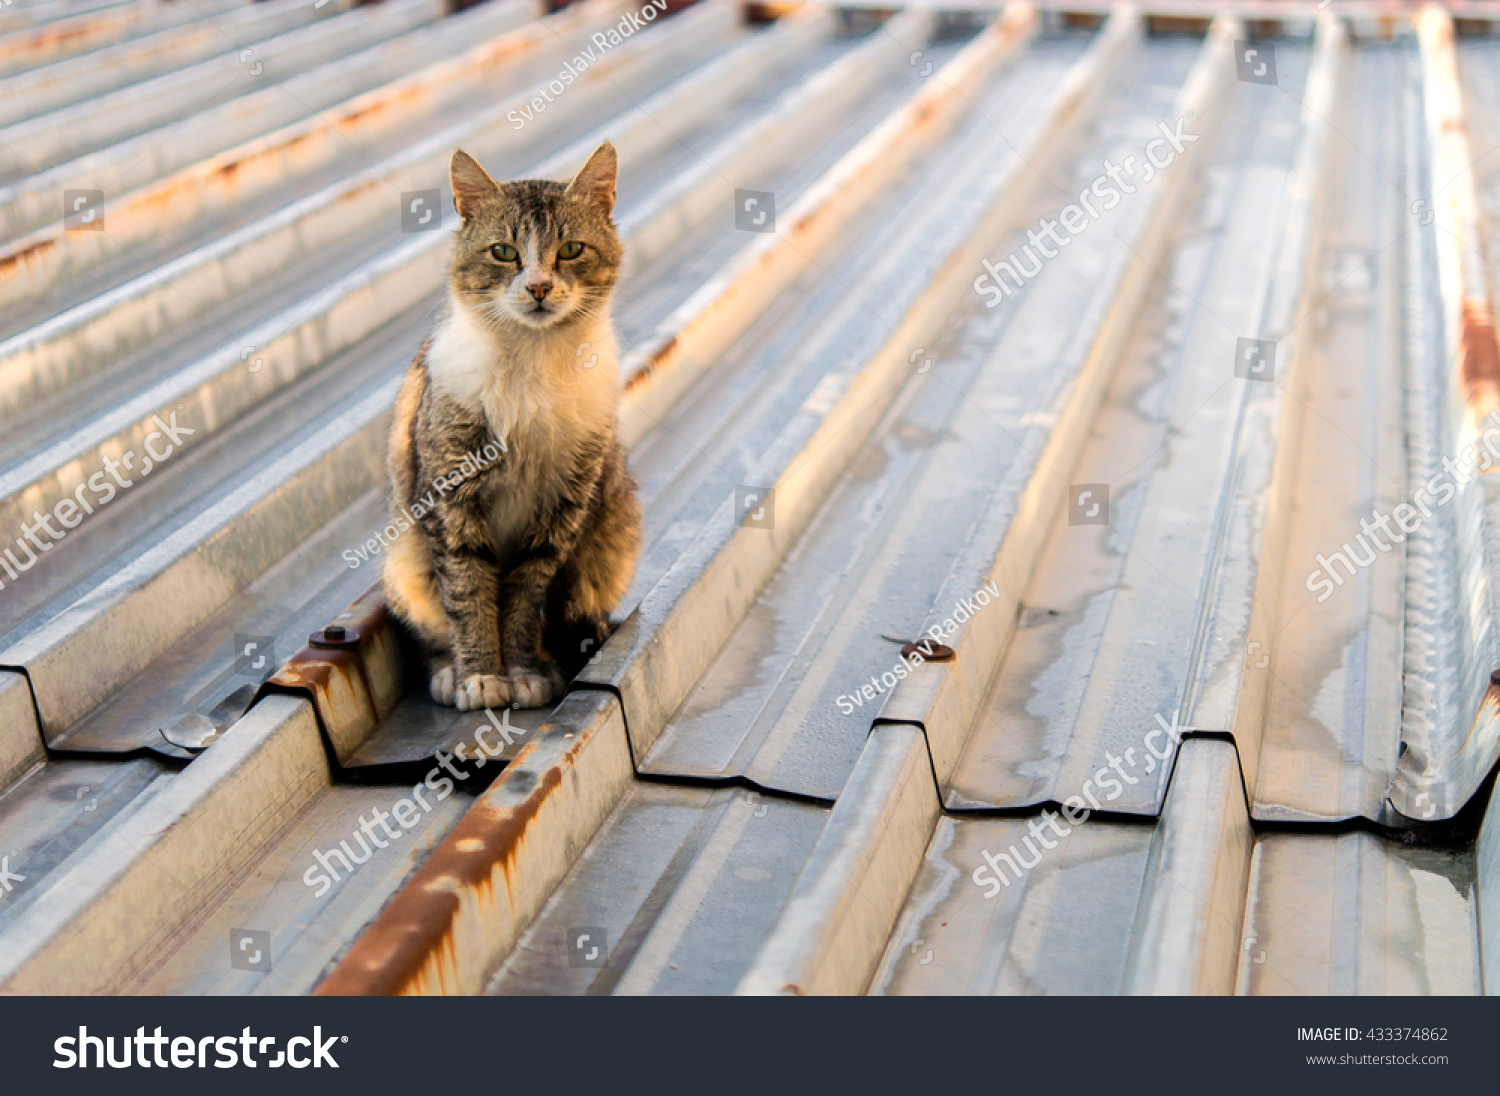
(511, 570)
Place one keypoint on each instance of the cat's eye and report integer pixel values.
(570, 250)
(505, 253)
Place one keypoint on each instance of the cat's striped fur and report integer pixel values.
(511, 574)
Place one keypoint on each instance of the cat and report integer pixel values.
(511, 571)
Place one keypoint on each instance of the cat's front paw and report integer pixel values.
(483, 691)
(531, 688)
(441, 684)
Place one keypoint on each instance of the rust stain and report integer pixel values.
(316, 672)
(664, 351)
(1085, 20)
(1177, 24)
(1480, 357)
(642, 375)
(26, 256)
(225, 176)
(339, 653)
(405, 96)
(758, 13)
(355, 117)
(414, 933)
(64, 37)
(1487, 720)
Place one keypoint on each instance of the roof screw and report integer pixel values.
(334, 633)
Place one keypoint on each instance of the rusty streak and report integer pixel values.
(316, 669)
(410, 937)
(1479, 356)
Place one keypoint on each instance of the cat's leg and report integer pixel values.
(527, 582)
(595, 530)
(522, 606)
(606, 553)
(597, 575)
(470, 583)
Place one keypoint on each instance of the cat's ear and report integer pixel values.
(471, 184)
(595, 182)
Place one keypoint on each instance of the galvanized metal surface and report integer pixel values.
(55, 29)
(204, 703)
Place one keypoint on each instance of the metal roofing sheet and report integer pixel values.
(1283, 795)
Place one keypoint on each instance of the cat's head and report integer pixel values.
(535, 253)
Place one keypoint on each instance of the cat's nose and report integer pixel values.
(539, 290)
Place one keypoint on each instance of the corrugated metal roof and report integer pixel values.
(1081, 346)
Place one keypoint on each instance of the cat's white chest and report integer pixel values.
(540, 395)
(536, 386)
(462, 358)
